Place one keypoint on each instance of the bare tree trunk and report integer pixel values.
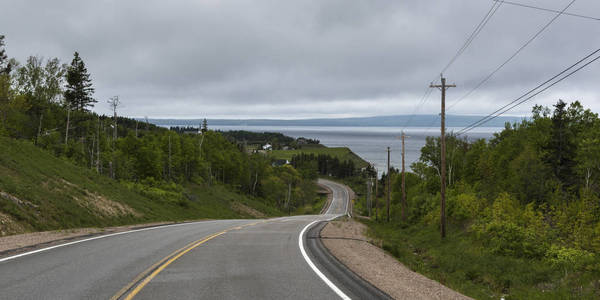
(92, 152)
(98, 146)
(67, 131)
(255, 182)
(289, 198)
(39, 128)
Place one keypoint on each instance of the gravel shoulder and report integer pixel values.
(20, 243)
(347, 241)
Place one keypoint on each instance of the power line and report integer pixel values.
(524, 98)
(548, 10)
(490, 13)
(511, 57)
(475, 33)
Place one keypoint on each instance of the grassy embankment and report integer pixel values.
(342, 153)
(463, 263)
(39, 191)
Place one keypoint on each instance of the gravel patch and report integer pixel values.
(348, 242)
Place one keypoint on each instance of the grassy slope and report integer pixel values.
(461, 262)
(342, 153)
(42, 192)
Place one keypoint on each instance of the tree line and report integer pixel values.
(49, 103)
(532, 191)
(324, 164)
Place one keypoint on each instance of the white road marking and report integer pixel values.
(314, 268)
(307, 259)
(96, 238)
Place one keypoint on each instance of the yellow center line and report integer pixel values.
(162, 264)
(138, 288)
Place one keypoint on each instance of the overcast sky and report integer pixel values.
(298, 59)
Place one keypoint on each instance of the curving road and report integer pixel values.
(223, 259)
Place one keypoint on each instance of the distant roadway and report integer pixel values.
(276, 258)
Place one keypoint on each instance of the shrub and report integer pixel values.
(568, 258)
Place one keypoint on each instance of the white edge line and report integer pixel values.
(312, 265)
(95, 238)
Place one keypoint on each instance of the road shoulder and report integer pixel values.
(346, 240)
(21, 243)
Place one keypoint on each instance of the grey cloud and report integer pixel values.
(302, 58)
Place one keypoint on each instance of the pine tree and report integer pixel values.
(204, 126)
(78, 94)
(5, 66)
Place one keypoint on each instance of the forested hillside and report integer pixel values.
(48, 104)
(523, 209)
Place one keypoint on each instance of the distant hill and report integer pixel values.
(381, 121)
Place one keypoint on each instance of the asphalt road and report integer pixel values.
(224, 259)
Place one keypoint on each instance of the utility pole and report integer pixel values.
(403, 214)
(376, 190)
(369, 182)
(114, 102)
(388, 185)
(200, 132)
(443, 88)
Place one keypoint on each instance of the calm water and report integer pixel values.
(370, 143)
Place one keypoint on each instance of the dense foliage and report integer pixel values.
(532, 192)
(48, 103)
(324, 165)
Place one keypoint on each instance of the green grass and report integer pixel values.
(55, 194)
(342, 153)
(462, 263)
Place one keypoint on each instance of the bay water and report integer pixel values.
(370, 143)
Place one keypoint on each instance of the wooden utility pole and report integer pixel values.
(114, 103)
(369, 182)
(403, 213)
(388, 184)
(443, 88)
(376, 190)
(200, 132)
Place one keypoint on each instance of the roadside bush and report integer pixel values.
(511, 231)
(464, 207)
(569, 259)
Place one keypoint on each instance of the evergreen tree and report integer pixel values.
(79, 90)
(204, 126)
(5, 66)
(560, 150)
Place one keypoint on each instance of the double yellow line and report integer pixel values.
(165, 262)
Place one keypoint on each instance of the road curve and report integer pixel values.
(231, 259)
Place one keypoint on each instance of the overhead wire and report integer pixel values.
(485, 79)
(490, 13)
(474, 34)
(549, 10)
(524, 98)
